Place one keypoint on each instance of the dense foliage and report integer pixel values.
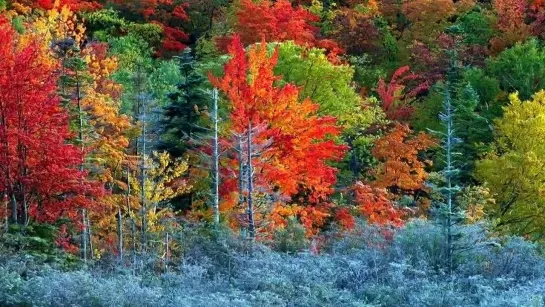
(390, 148)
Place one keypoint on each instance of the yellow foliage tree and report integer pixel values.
(165, 180)
(513, 170)
(473, 200)
(58, 23)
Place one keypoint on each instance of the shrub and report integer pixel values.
(366, 267)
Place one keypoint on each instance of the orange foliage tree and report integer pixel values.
(108, 144)
(300, 142)
(74, 5)
(427, 17)
(401, 171)
(376, 206)
(511, 24)
(275, 21)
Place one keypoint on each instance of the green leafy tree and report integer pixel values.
(520, 68)
(487, 89)
(362, 127)
(135, 56)
(327, 84)
(513, 170)
(476, 27)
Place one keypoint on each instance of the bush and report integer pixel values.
(291, 239)
(367, 267)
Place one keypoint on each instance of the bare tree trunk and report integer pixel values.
(216, 161)
(450, 169)
(3, 138)
(251, 223)
(24, 207)
(89, 235)
(167, 251)
(240, 151)
(13, 208)
(9, 196)
(84, 236)
(133, 235)
(120, 234)
(6, 212)
(21, 164)
(143, 185)
(133, 226)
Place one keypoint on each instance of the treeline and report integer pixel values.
(124, 122)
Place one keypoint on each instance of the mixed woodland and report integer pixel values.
(272, 153)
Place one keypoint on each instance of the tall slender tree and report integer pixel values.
(216, 158)
(74, 80)
(449, 213)
(183, 128)
(182, 118)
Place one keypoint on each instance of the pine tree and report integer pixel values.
(182, 127)
(182, 117)
(448, 213)
(462, 129)
(74, 80)
(472, 128)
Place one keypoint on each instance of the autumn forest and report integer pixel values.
(272, 153)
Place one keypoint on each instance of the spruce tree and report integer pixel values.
(449, 213)
(182, 118)
(182, 128)
(472, 128)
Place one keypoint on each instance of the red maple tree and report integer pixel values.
(277, 21)
(38, 168)
(395, 100)
(74, 5)
(170, 15)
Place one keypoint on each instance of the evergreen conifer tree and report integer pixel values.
(449, 214)
(472, 128)
(183, 128)
(182, 118)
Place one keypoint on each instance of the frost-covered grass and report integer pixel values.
(362, 269)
